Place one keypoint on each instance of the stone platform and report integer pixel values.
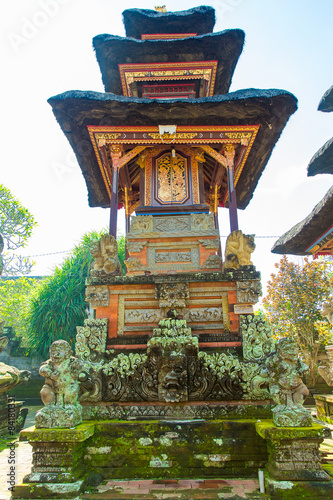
(210, 489)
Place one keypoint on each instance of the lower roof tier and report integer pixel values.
(267, 109)
(313, 234)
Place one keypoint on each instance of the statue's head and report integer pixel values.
(60, 350)
(287, 349)
(94, 247)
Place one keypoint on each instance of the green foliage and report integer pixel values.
(293, 306)
(14, 294)
(16, 224)
(57, 305)
(121, 251)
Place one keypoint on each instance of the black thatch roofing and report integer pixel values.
(198, 20)
(306, 232)
(326, 103)
(322, 161)
(225, 47)
(270, 109)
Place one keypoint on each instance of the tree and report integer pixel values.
(16, 225)
(14, 295)
(57, 305)
(293, 304)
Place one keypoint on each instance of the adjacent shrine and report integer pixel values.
(174, 377)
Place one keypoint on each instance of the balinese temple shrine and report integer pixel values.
(179, 380)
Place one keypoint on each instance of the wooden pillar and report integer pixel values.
(229, 153)
(116, 153)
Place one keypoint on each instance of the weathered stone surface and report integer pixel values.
(61, 389)
(105, 254)
(294, 452)
(248, 291)
(285, 371)
(238, 250)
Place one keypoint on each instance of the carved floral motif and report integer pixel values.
(172, 294)
(97, 296)
(257, 336)
(142, 224)
(135, 246)
(248, 291)
(202, 222)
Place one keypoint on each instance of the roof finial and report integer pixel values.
(161, 8)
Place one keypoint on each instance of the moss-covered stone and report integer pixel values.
(298, 490)
(80, 433)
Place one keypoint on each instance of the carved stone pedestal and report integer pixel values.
(293, 453)
(324, 404)
(57, 462)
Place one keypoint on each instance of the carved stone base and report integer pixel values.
(56, 417)
(293, 453)
(291, 416)
(57, 464)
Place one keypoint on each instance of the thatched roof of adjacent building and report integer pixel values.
(198, 20)
(270, 109)
(300, 237)
(225, 47)
(326, 103)
(322, 161)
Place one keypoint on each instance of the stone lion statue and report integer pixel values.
(105, 253)
(238, 250)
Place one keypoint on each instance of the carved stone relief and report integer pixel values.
(161, 257)
(202, 222)
(257, 336)
(212, 243)
(203, 314)
(97, 296)
(134, 264)
(248, 291)
(143, 315)
(212, 262)
(135, 246)
(172, 295)
(142, 224)
(172, 224)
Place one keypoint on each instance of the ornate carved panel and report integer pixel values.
(248, 291)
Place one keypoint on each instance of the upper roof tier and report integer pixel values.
(199, 20)
(268, 109)
(222, 48)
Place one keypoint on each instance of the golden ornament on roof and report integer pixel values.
(162, 8)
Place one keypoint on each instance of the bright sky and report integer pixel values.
(46, 50)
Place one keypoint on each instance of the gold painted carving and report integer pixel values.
(161, 8)
(225, 309)
(129, 156)
(171, 179)
(214, 154)
(168, 138)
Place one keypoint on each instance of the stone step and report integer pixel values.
(173, 489)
